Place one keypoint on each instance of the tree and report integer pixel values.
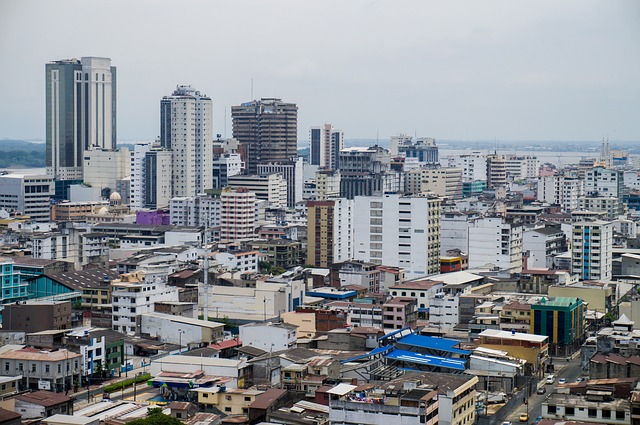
(156, 417)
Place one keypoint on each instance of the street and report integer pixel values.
(570, 370)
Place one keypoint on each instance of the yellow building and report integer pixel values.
(534, 349)
(320, 233)
(306, 323)
(598, 296)
(230, 402)
(515, 316)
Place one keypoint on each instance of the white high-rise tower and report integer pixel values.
(186, 127)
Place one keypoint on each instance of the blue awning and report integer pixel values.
(433, 343)
(425, 359)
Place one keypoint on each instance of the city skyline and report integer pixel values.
(457, 71)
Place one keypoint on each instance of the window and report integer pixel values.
(593, 413)
(6, 366)
(570, 411)
(46, 368)
(247, 399)
(227, 409)
(620, 414)
(551, 409)
(606, 414)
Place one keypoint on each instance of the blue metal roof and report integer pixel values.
(433, 343)
(425, 359)
(390, 334)
(371, 353)
(338, 295)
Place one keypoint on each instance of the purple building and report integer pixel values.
(153, 218)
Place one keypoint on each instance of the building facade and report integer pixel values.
(592, 250)
(268, 130)
(27, 195)
(186, 128)
(398, 230)
(80, 112)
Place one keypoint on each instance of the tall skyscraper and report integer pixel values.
(80, 112)
(326, 144)
(186, 127)
(268, 129)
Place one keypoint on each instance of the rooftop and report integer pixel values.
(83, 279)
(44, 398)
(516, 336)
(185, 320)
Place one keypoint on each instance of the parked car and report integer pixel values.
(524, 417)
(541, 390)
(551, 379)
(506, 423)
(538, 419)
(562, 381)
(579, 379)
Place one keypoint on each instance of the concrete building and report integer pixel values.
(42, 369)
(27, 195)
(36, 316)
(563, 189)
(43, 404)
(225, 166)
(492, 241)
(264, 301)
(80, 113)
(269, 187)
(596, 409)
(186, 128)
(76, 211)
(183, 331)
(326, 144)
(195, 211)
(269, 336)
(133, 296)
(562, 319)
(496, 171)
(367, 172)
(237, 214)
(423, 149)
(320, 233)
(103, 168)
(591, 249)
(327, 185)
(534, 349)
(12, 289)
(291, 171)
(151, 176)
(407, 400)
(474, 166)
(540, 244)
(444, 182)
(268, 131)
(403, 231)
(238, 372)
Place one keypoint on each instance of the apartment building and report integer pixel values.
(403, 231)
(591, 249)
(492, 241)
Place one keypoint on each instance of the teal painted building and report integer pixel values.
(13, 289)
(560, 318)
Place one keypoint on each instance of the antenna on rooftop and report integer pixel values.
(251, 88)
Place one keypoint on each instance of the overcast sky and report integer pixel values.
(465, 70)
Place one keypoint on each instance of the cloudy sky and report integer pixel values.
(465, 70)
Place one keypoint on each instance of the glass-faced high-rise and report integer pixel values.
(80, 112)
